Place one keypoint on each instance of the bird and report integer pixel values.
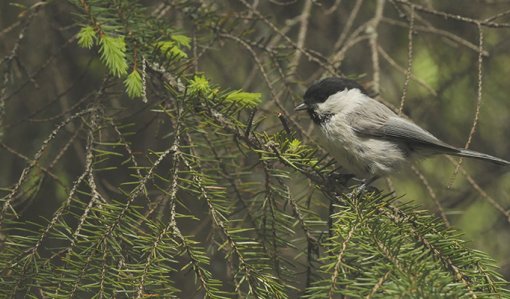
(366, 137)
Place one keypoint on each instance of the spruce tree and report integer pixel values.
(154, 179)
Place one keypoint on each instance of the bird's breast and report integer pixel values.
(362, 156)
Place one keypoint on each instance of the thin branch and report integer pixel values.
(478, 103)
(409, 61)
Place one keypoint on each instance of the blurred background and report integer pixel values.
(369, 41)
(456, 90)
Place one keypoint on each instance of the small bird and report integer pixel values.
(367, 138)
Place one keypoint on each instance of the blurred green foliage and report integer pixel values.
(259, 55)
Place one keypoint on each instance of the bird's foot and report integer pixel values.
(364, 187)
(358, 190)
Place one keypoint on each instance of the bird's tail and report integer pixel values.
(481, 156)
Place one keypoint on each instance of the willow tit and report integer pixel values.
(366, 137)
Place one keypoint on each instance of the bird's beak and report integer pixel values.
(301, 107)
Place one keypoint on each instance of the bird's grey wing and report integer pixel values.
(382, 123)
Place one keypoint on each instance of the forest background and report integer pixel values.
(150, 147)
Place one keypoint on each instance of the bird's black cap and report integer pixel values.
(320, 91)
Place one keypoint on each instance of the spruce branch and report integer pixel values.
(207, 190)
